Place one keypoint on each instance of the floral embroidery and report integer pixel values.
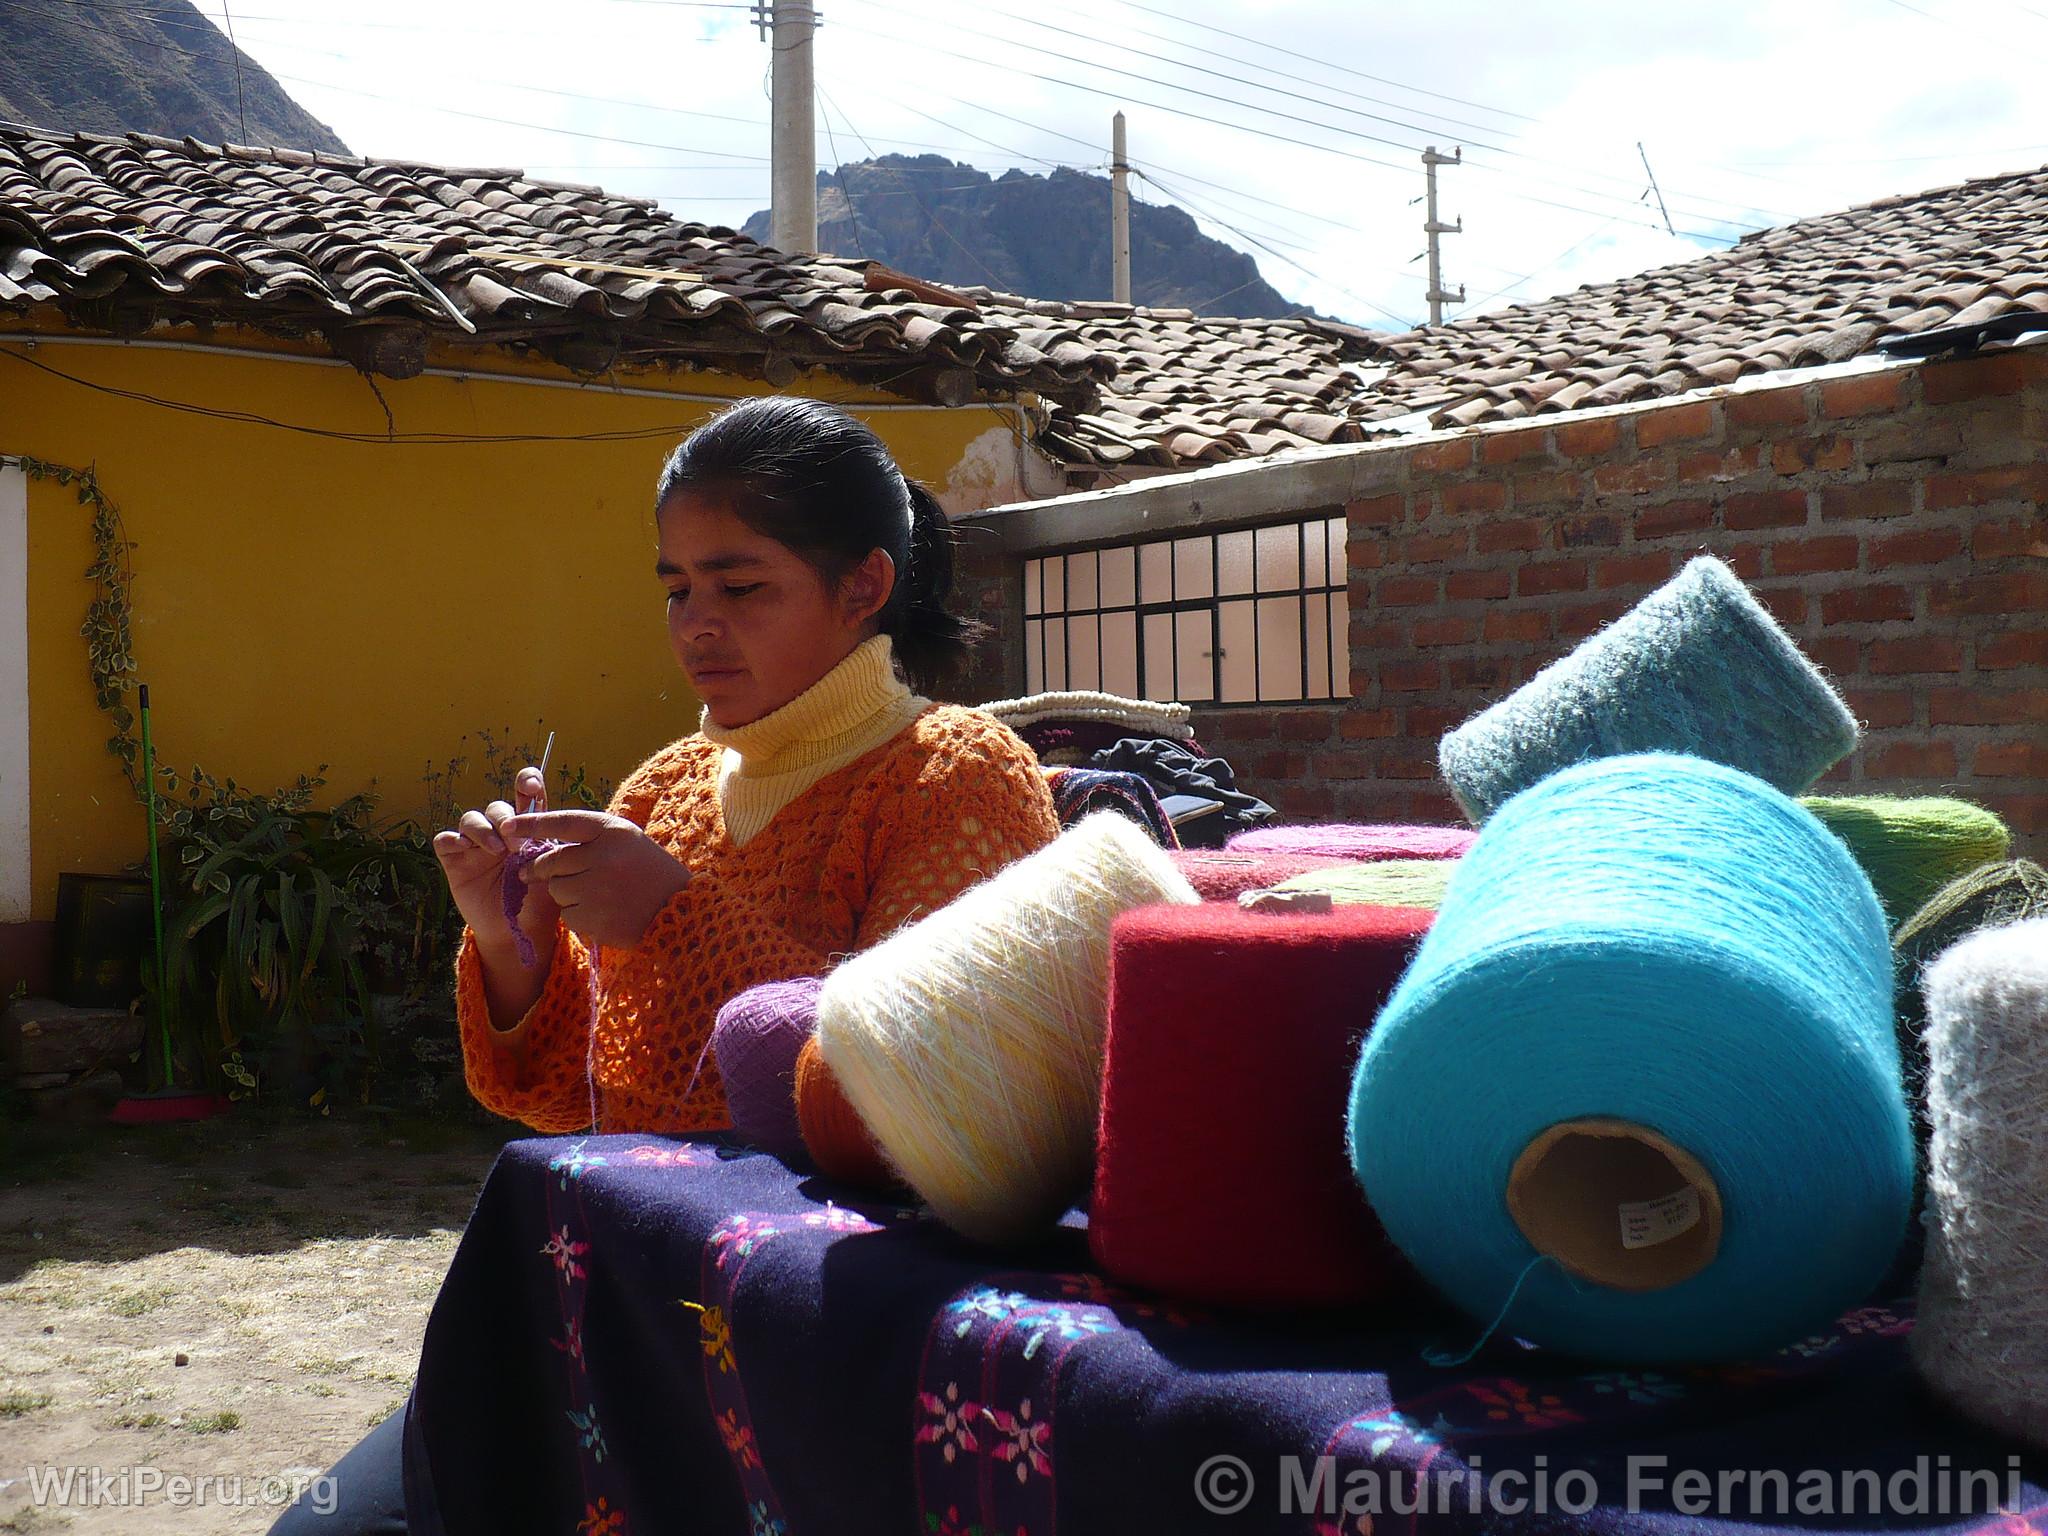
(565, 1253)
(574, 1163)
(1882, 1321)
(653, 1156)
(571, 1342)
(1648, 1387)
(951, 1524)
(1508, 1399)
(763, 1522)
(741, 1236)
(600, 1519)
(1808, 1348)
(1094, 1288)
(1394, 1428)
(739, 1439)
(1025, 1442)
(587, 1428)
(996, 1306)
(952, 1421)
(718, 1339)
(836, 1218)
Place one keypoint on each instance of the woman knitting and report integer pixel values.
(821, 805)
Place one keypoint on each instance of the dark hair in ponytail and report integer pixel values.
(811, 477)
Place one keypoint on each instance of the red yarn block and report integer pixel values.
(834, 1133)
(1219, 875)
(1222, 1174)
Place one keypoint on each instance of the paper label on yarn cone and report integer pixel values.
(1646, 1223)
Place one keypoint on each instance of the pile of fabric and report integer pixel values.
(1134, 756)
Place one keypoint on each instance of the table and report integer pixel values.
(644, 1335)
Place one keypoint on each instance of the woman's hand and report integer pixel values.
(472, 857)
(610, 880)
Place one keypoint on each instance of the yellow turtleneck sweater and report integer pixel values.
(848, 712)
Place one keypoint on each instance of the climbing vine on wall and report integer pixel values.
(109, 645)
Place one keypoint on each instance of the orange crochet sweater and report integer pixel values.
(891, 836)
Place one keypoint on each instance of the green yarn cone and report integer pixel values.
(1912, 847)
(1383, 883)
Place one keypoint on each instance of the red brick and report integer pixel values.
(1352, 764)
(1866, 605)
(1410, 676)
(1377, 511)
(1796, 455)
(1800, 557)
(1979, 487)
(1674, 517)
(1836, 654)
(1366, 724)
(1881, 707)
(1575, 621)
(1303, 724)
(1765, 509)
(1427, 722)
(1551, 576)
(1462, 586)
(1912, 760)
(1405, 591)
(1767, 407)
(1646, 569)
(1420, 764)
(1452, 630)
(1632, 477)
(1442, 458)
(1589, 439)
(1434, 548)
(1364, 555)
(2000, 373)
(1546, 486)
(1370, 633)
(1508, 533)
(1786, 604)
(2011, 760)
(1916, 653)
(1994, 592)
(1862, 394)
(2014, 648)
(1483, 672)
(1589, 529)
(1675, 423)
(1732, 464)
(2025, 814)
(1523, 624)
(1277, 765)
(1474, 498)
(2027, 538)
(1924, 546)
(1874, 498)
(1363, 680)
(1987, 706)
(1506, 447)
(1745, 560)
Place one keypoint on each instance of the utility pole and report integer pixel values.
(1438, 298)
(1119, 215)
(793, 145)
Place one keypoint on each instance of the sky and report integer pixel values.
(1292, 129)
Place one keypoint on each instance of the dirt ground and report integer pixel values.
(291, 1264)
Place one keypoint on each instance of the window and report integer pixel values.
(1252, 616)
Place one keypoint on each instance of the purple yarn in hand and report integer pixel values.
(757, 1039)
(1361, 844)
(512, 890)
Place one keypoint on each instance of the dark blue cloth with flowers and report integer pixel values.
(642, 1336)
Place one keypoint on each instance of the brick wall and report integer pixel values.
(1893, 521)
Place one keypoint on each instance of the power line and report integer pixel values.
(1558, 260)
(839, 170)
(936, 221)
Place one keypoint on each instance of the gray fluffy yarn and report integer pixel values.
(1696, 667)
(1982, 1338)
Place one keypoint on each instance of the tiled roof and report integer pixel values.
(1191, 390)
(1817, 291)
(381, 256)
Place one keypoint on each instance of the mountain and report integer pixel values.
(1046, 237)
(142, 66)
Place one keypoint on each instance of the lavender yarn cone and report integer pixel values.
(757, 1039)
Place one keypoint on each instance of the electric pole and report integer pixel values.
(1438, 298)
(1119, 215)
(793, 145)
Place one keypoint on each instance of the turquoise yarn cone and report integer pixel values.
(1697, 667)
(1651, 1026)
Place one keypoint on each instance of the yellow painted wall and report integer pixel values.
(300, 600)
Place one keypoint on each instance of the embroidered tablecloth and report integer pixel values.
(641, 1336)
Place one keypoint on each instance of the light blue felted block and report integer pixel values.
(1697, 667)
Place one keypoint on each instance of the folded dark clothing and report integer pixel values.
(1076, 792)
(1175, 770)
